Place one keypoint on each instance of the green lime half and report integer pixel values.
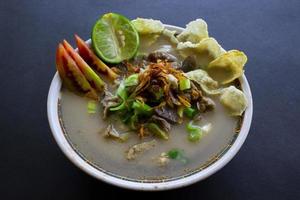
(114, 38)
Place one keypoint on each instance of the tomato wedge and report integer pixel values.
(88, 55)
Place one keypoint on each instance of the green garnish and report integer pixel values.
(92, 107)
(195, 136)
(184, 84)
(121, 106)
(141, 108)
(190, 112)
(134, 111)
(174, 153)
(132, 80)
(122, 93)
(133, 121)
(153, 128)
(177, 154)
(114, 38)
(195, 132)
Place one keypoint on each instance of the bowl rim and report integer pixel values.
(72, 155)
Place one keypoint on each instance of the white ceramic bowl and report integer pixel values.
(52, 105)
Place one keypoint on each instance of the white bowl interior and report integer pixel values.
(53, 117)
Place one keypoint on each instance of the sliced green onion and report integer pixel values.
(174, 153)
(121, 91)
(195, 132)
(153, 128)
(190, 112)
(177, 154)
(195, 136)
(120, 107)
(184, 84)
(133, 121)
(92, 107)
(141, 108)
(132, 80)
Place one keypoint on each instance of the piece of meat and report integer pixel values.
(110, 131)
(140, 61)
(176, 65)
(205, 104)
(158, 55)
(109, 101)
(189, 64)
(173, 99)
(187, 96)
(155, 92)
(196, 92)
(167, 113)
(122, 68)
(197, 117)
(161, 122)
(137, 149)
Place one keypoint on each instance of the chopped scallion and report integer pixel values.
(132, 80)
(92, 107)
(190, 112)
(153, 128)
(133, 121)
(184, 84)
(177, 154)
(121, 106)
(141, 108)
(196, 132)
(121, 91)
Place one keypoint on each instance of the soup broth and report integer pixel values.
(85, 133)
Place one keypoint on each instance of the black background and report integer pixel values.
(268, 165)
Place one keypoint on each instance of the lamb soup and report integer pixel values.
(159, 115)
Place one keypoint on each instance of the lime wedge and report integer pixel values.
(114, 38)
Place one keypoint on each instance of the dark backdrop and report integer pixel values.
(268, 165)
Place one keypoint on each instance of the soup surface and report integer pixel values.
(85, 132)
